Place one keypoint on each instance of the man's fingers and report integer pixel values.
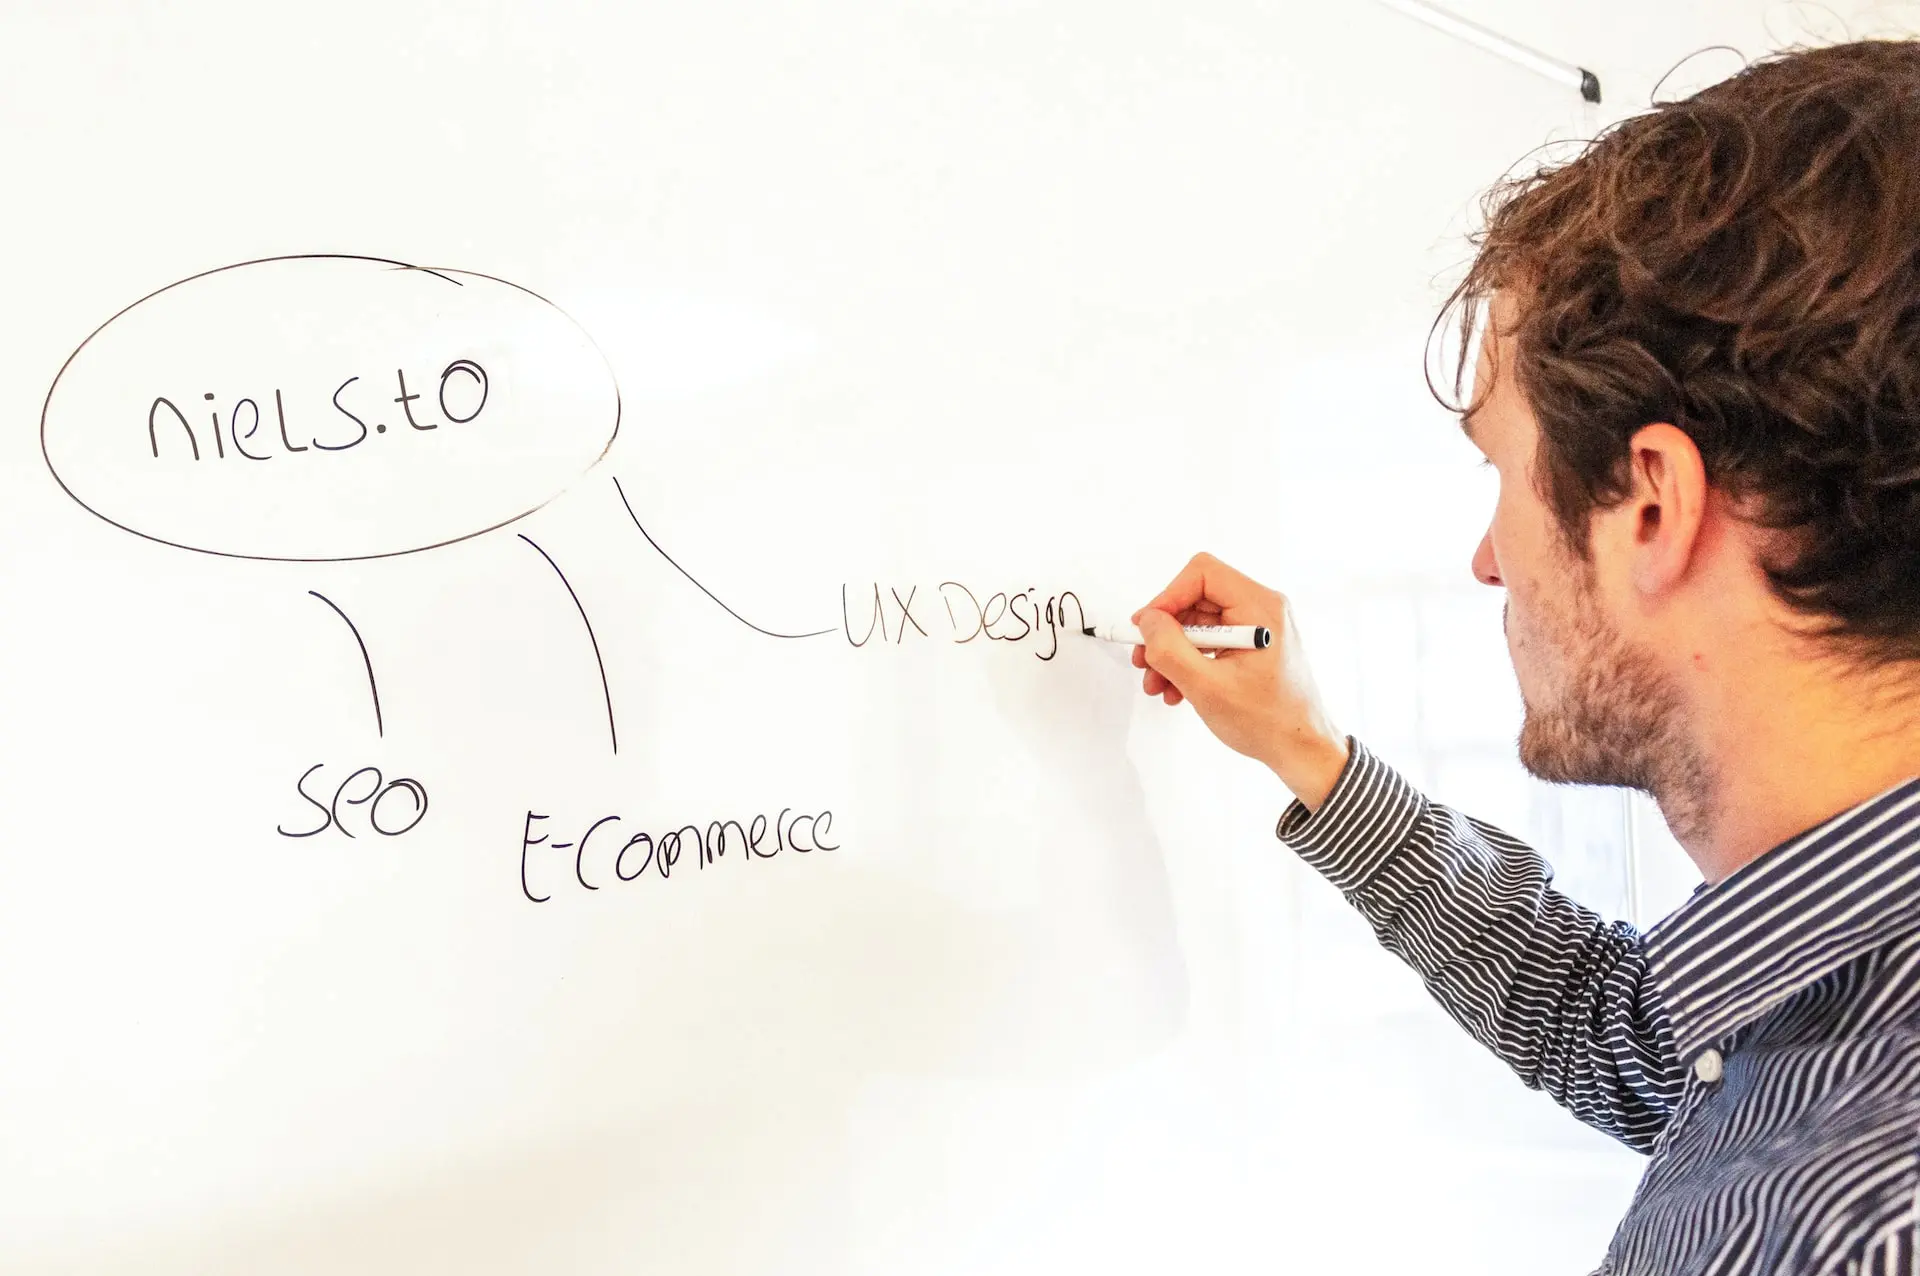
(1170, 654)
(1206, 577)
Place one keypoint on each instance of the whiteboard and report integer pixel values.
(543, 730)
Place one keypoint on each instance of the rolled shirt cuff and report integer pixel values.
(1368, 816)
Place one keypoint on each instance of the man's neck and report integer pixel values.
(1788, 752)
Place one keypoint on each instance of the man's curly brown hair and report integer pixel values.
(1744, 264)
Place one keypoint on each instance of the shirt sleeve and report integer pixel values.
(1560, 994)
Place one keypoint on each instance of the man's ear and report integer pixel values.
(1665, 508)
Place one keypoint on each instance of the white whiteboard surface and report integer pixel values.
(963, 302)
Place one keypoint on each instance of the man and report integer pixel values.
(1699, 382)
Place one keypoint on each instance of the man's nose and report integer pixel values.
(1486, 569)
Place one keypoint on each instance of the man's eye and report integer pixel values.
(1486, 463)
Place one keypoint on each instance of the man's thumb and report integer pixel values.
(1170, 653)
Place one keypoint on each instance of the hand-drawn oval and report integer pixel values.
(328, 407)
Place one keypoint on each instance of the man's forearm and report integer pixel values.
(1558, 993)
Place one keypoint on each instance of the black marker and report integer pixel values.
(1207, 637)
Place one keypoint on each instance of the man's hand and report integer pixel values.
(1260, 703)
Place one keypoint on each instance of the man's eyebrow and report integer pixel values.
(1466, 425)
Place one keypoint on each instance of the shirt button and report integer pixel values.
(1707, 1067)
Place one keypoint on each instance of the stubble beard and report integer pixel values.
(1616, 719)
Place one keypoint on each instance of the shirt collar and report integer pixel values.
(1796, 914)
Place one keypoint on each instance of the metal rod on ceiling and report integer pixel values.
(1578, 78)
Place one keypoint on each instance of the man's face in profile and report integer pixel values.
(1596, 705)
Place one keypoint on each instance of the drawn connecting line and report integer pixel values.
(379, 722)
(612, 733)
(818, 633)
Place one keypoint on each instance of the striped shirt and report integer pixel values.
(1762, 1044)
